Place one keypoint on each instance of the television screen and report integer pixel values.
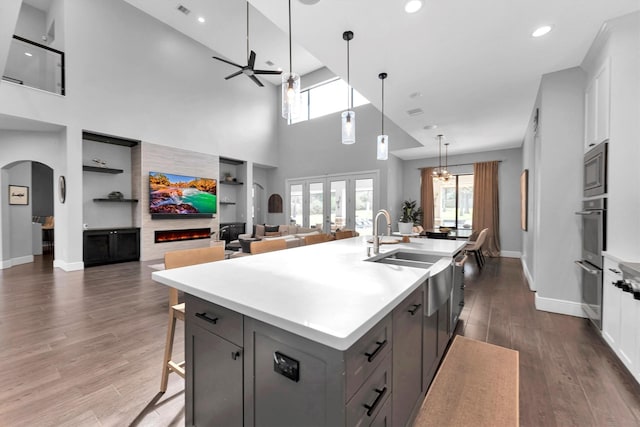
(174, 195)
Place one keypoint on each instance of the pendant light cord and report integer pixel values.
(247, 30)
(382, 106)
(348, 81)
(290, 60)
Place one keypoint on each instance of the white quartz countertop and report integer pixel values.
(325, 292)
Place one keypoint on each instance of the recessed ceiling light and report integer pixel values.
(430, 127)
(541, 31)
(412, 6)
(28, 54)
(201, 19)
(415, 112)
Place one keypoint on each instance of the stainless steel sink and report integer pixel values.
(438, 286)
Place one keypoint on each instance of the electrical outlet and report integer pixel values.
(287, 366)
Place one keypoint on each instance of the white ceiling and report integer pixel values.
(474, 63)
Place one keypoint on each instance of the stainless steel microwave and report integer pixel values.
(595, 170)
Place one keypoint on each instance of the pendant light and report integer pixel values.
(383, 140)
(348, 117)
(290, 86)
(441, 173)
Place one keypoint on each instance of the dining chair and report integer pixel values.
(476, 247)
(264, 246)
(175, 259)
(318, 238)
(345, 234)
(47, 232)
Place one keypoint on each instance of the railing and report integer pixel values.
(35, 65)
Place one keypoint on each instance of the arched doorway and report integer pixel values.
(27, 207)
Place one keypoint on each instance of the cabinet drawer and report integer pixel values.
(367, 403)
(365, 355)
(214, 318)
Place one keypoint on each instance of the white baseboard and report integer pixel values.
(511, 254)
(559, 306)
(68, 266)
(527, 275)
(16, 261)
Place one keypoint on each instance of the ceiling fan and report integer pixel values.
(248, 69)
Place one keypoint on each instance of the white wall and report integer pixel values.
(558, 170)
(508, 188)
(314, 148)
(20, 215)
(620, 43)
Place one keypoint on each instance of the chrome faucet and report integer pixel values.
(376, 238)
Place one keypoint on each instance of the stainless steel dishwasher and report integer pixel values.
(457, 291)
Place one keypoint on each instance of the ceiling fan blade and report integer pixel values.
(228, 62)
(255, 79)
(266, 72)
(233, 75)
(252, 59)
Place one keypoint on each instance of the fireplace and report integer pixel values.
(162, 236)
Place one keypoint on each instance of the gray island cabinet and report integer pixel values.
(340, 346)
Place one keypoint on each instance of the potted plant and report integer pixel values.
(411, 215)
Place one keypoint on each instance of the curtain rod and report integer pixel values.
(462, 164)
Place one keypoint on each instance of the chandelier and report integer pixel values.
(442, 174)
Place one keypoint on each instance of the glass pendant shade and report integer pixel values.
(383, 147)
(290, 95)
(348, 127)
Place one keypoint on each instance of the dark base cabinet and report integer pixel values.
(107, 246)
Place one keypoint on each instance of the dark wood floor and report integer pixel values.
(85, 349)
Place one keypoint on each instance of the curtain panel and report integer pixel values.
(486, 205)
(426, 198)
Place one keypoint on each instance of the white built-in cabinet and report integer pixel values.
(597, 99)
(611, 303)
(620, 317)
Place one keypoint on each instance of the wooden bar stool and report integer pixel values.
(264, 246)
(175, 259)
(318, 238)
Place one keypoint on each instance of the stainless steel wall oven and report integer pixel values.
(595, 171)
(594, 242)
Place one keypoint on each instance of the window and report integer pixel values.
(326, 98)
(453, 202)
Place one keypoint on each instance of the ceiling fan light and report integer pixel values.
(348, 127)
(383, 147)
(290, 95)
(412, 6)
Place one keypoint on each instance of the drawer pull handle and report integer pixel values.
(204, 316)
(235, 355)
(371, 408)
(414, 309)
(371, 356)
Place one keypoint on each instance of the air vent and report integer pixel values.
(183, 9)
(415, 112)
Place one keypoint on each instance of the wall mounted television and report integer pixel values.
(179, 196)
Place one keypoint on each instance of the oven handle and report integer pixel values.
(587, 269)
(588, 212)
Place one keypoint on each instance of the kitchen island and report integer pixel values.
(305, 336)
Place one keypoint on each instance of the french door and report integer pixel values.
(334, 201)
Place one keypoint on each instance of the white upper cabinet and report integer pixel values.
(597, 107)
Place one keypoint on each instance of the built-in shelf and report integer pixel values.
(227, 203)
(101, 170)
(231, 182)
(117, 200)
(229, 161)
(109, 139)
